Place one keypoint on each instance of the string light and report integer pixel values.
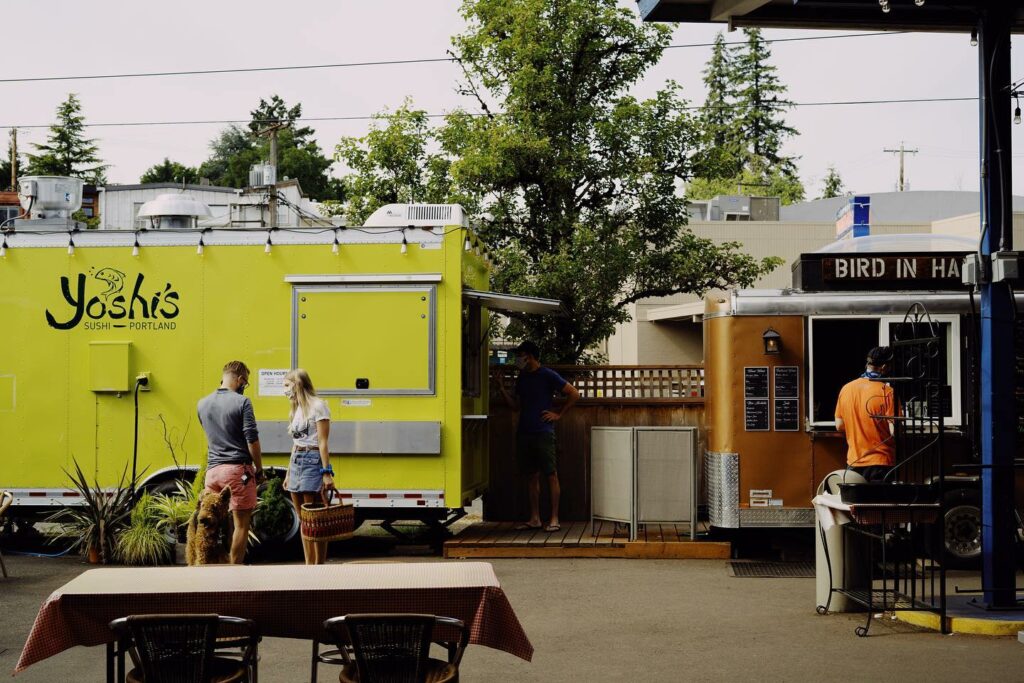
(135, 247)
(266, 249)
(919, 3)
(405, 245)
(1016, 114)
(974, 37)
(199, 247)
(71, 244)
(3, 247)
(334, 247)
(467, 245)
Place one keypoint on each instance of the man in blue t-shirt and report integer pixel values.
(536, 387)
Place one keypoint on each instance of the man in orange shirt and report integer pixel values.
(864, 413)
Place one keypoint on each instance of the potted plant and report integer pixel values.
(173, 512)
(94, 523)
(143, 542)
(274, 520)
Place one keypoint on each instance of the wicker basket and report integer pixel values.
(327, 522)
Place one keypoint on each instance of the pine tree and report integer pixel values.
(833, 184)
(721, 156)
(67, 152)
(761, 102)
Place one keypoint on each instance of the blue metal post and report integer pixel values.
(998, 414)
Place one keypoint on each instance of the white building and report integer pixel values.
(669, 330)
(229, 207)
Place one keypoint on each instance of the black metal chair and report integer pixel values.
(395, 648)
(182, 648)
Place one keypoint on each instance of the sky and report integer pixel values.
(67, 37)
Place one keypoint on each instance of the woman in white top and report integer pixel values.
(310, 474)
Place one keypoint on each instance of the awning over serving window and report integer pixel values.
(513, 303)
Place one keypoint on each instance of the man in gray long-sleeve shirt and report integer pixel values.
(234, 459)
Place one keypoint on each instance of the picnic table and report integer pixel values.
(286, 601)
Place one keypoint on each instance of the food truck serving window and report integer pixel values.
(366, 339)
(838, 347)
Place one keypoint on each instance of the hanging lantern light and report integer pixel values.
(772, 342)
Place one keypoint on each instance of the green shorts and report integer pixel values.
(536, 453)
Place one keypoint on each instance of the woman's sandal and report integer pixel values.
(527, 527)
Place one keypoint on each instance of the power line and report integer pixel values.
(384, 62)
(837, 103)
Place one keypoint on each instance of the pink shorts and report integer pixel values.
(243, 496)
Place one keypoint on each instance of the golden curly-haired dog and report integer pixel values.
(211, 514)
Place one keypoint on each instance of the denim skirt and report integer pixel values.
(304, 472)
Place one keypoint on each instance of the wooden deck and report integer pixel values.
(580, 539)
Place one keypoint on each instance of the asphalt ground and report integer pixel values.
(614, 620)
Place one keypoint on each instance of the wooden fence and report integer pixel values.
(670, 395)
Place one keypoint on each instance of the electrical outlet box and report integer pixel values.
(971, 272)
(108, 366)
(145, 381)
(1005, 266)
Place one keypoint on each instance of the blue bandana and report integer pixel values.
(871, 374)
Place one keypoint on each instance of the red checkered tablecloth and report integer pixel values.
(286, 601)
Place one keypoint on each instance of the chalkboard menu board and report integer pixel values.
(755, 415)
(755, 382)
(787, 381)
(787, 414)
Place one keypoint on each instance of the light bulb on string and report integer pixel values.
(468, 245)
(266, 249)
(919, 3)
(135, 247)
(405, 244)
(334, 247)
(974, 37)
(71, 245)
(1016, 115)
(3, 248)
(199, 247)
(886, 9)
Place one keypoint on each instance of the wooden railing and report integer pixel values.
(629, 383)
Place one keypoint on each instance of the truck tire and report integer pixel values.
(961, 529)
(169, 486)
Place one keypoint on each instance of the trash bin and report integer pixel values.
(843, 566)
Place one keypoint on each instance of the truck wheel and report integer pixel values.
(169, 487)
(961, 528)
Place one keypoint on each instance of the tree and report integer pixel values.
(169, 172)
(723, 148)
(67, 152)
(833, 184)
(578, 176)
(758, 180)
(760, 102)
(392, 164)
(299, 156)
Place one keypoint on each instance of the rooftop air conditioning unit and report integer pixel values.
(416, 216)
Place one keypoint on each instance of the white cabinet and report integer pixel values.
(644, 475)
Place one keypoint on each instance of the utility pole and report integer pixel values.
(271, 132)
(14, 158)
(901, 151)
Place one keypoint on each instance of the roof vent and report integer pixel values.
(173, 211)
